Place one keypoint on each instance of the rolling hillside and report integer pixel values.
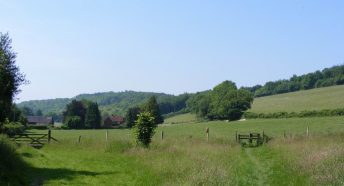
(315, 99)
(110, 102)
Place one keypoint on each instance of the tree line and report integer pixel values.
(10, 80)
(327, 77)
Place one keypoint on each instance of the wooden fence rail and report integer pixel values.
(33, 139)
(258, 138)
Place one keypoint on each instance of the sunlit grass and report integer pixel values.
(315, 99)
(185, 157)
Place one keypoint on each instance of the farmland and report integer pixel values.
(184, 157)
(315, 99)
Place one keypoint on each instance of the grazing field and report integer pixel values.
(182, 118)
(184, 157)
(315, 99)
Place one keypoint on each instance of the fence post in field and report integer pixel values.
(162, 134)
(79, 139)
(307, 131)
(207, 132)
(236, 136)
(284, 134)
(49, 135)
(106, 135)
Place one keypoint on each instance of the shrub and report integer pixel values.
(144, 129)
(13, 128)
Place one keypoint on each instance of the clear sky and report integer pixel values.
(69, 47)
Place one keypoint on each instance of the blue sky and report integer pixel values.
(68, 47)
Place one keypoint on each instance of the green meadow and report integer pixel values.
(185, 157)
(314, 99)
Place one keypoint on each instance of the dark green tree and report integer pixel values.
(74, 122)
(10, 76)
(39, 112)
(152, 107)
(200, 104)
(26, 111)
(92, 118)
(227, 102)
(75, 108)
(144, 129)
(131, 116)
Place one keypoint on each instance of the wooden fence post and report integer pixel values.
(79, 139)
(307, 131)
(284, 134)
(162, 134)
(236, 136)
(106, 135)
(49, 135)
(207, 132)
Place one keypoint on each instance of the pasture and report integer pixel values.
(314, 99)
(184, 157)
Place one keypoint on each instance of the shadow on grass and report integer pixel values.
(41, 175)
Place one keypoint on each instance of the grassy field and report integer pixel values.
(315, 99)
(184, 157)
(182, 118)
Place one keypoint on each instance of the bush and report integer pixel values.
(144, 129)
(13, 128)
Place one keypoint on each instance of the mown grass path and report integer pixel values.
(263, 166)
(260, 169)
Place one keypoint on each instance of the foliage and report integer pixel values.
(200, 103)
(74, 116)
(143, 129)
(131, 116)
(110, 103)
(27, 111)
(172, 104)
(12, 128)
(92, 118)
(12, 167)
(302, 114)
(153, 108)
(225, 101)
(10, 76)
(82, 114)
(326, 77)
(74, 122)
(39, 112)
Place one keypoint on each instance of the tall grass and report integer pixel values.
(185, 157)
(12, 167)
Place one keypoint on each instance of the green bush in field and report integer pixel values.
(144, 129)
(13, 128)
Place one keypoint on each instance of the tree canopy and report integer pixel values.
(10, 76)
(326, 77)
(225, 101)
(82, 114)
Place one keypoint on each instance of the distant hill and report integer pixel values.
(315, 99)
(110, 102)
